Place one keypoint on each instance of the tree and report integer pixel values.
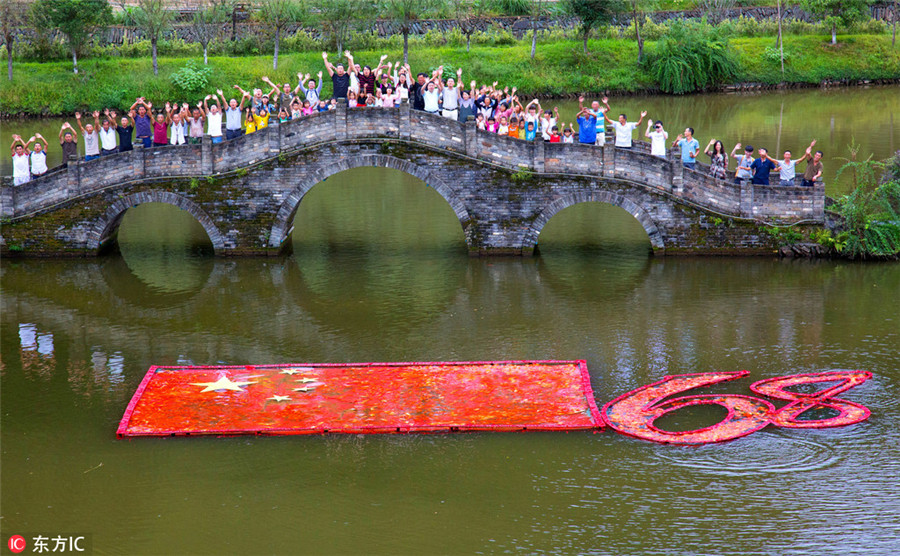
(207, 23)
(405, 13)
(837, 12)
(339, 17)
(538, 9)
(277, 15)
(154, 17)
(639, 9)
(76, 19)
(13, 15)
(591, 14)
(468, 14)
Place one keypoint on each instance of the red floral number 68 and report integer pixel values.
(634, 413)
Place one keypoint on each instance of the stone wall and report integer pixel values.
(246, 192)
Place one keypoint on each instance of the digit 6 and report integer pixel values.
(848, 412)
(634, 413)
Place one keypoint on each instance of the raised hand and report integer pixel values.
(325, 56)
(77, 115)
(644, 114)
(219, 91)
(472, 84)
(580, 99)
(347, 53)
(106, 111)
(131, 114)
(96, 113)
(184, 106)
(200, 104)
(605, 100)
(320, 75)
(459, 72)
(383, 56)
(168, 107)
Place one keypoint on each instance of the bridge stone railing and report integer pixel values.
(637, 167)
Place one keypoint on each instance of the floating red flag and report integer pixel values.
(362, 398)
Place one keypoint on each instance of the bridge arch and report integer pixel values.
(284, 218)
(643, 217)
(107, 225)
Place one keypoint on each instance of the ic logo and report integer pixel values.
(16, 543)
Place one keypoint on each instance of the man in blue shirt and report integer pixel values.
(761, 168)
(587, 127)
(690, 148)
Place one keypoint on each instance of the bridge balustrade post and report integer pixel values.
(539, 156)
(404, 126)
(8, 200)
(207, 164)
(340, 120)
(275, 139)
(73, 175)
(677, 170)
(609, 159)
(746, 198)
(471, 138)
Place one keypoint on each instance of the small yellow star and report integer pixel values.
(278, 398)
(224, 383)
(295, 371)
(304, 389)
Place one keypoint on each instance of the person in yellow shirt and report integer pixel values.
(261, 119)
(250, 123)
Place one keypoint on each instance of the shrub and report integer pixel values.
(191, 78)
(693, 56)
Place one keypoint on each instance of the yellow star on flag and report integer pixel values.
(295, 371)
(307, 380)
(224, 383)
(278, 398)
(304, 389)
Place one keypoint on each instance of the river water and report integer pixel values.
(380, 273)
(869, 117)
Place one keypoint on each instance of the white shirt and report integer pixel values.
(177, 134)
(623, 133)
(108, 139)
(38, 162)
(431, 100)
(451, 98)
(214, 122)
(354, 83)
(788, 170)
(20, 166)
(546, 125)
(658, 143)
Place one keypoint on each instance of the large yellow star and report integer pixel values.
(224, 383)
(278, 398)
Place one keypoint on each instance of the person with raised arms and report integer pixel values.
(587, 127)
(598, 113)
(311, 92)
(20, 158)
(690, 148)
(91, 136)
(233, 127)
(124, 129)
(68, 140)
(340, 79)
(624, 128)
(213, 118)
(787, 168)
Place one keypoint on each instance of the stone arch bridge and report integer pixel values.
(245, 192)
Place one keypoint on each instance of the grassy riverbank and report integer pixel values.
(559, 68)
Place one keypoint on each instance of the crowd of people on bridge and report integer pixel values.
(493, 109)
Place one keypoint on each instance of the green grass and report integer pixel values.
(560, 67)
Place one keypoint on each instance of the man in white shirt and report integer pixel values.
(787, 168)
(624, 129)
(108, 144)
(658, 137)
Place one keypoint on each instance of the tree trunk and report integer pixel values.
(275, 58)
(834, 33)
(584, 44)
(637, 33)
(9, 58)
(780, 40)
(74, 60)
(533, 38)
(405, 45)
(205, 58)
(153, 49)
